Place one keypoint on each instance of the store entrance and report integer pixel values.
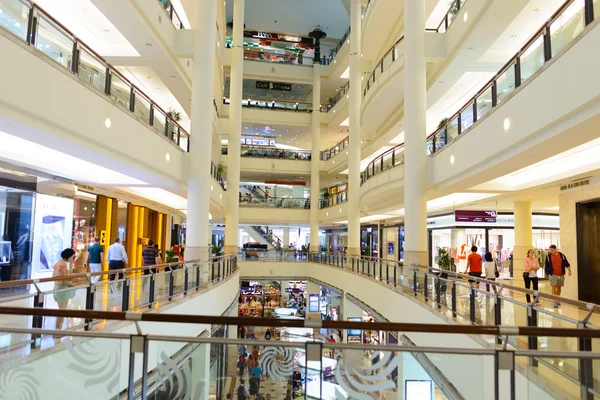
(588, 257)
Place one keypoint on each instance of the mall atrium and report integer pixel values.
(418, 206)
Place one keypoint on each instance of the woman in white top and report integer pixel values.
(489, 267)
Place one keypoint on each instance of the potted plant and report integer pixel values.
(170, 256)
(443, 261)
(216, 250)
(367, 251)
(174, 115)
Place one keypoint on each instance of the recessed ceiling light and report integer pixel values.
(452, 159)
(506, 124)
(466, 17)
(168, 156)
(107, 123)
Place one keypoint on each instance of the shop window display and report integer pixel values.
(16, 222)
(259, 299)
(84, 228)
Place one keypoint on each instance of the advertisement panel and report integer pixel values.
(354, 335)
(52, 232)
(313, 303)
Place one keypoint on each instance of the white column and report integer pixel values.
(232, 211)
(354, 148)
(315, 159)
(205, 37)
(415, 174)
(523, 237)
(286, 237)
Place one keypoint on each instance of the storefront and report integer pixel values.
(497, 237)
(392, 242)
(259, 298)
(369, 238)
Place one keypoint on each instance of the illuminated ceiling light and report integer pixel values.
(333, 161)
(346, 153)
(506, 124)
(212, 187)
(340, 210)
(221, 196)
(345, 122)
(466, 17)
(452, 159)
(327, 214)
(160, 196)
(168, 156)
(107, 123)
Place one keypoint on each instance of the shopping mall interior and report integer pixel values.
(418, 207)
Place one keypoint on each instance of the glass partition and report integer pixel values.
(54, 42)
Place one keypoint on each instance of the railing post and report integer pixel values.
(504, 360)
(547, 44)
(132, 99)
(438, 289)
(31, 26)
(589, 11)
(498, 315)
(185, 279)
(151, 114)
(415, 281)
(453, 299)
(75, 58)
(472, 303)
(532, 320)
(89, 304)
(494, 97)
(125, 293)
(198, 277)
(107, 82)
(171, 284)
(425, 294)
(586, 368)
(151, 290)
(138, 344)
(37, 320)
(395, 277)
(518, 72)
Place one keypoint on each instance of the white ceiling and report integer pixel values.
(295, 16)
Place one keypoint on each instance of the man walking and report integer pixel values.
(117, 259)
(150, 256)
(95, 258)
(556, 265)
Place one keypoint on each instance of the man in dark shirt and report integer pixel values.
(150, 257)
(94, 259)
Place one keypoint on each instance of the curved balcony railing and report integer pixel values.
(340, 95)
(273, 105)
(390, 159)
(561, 29)
(450, 15)
(335, 150)
(170, 11)
(333, 52)
(274, 202)
(271, 152)
(49, 37)
(333, 200)
(386, 61)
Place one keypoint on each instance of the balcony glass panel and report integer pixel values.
(91, 69)
(466, 118)
(159, 121)
(54, 43)
(429, 146)
(142, 107)
(440, 139)
(452, 129)
(506, 83)
(532, 59)
(183, 141)
(567, 26)
(387, 161)
(484, 103)
(14, 17)
(120, 91)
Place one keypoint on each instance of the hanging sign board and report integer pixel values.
(286, 87)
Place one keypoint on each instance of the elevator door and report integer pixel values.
(588, 254)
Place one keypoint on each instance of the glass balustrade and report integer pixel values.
(274, 105)
(278, 57)
(271, 152)
(390, 159)
(48, 37)
(171, 13)
(335, 150)
(274, 202)
(333, 200)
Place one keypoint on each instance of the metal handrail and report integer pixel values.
(79, 45)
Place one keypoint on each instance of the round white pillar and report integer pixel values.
(523, 237)
(205, 36)
(354, 147)
(415, 163)
(232, 212)
(315, 159)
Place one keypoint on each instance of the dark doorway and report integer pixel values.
(588, 256)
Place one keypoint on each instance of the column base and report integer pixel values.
(353, 251)
(199, 253)
(519, 255)
(412, 259)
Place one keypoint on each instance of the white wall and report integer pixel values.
(86, 371)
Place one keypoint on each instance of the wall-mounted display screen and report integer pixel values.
(313, 303)
(52, 232)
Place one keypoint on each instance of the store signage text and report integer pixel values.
(474, 216)
(577, 184)
(287, 87)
